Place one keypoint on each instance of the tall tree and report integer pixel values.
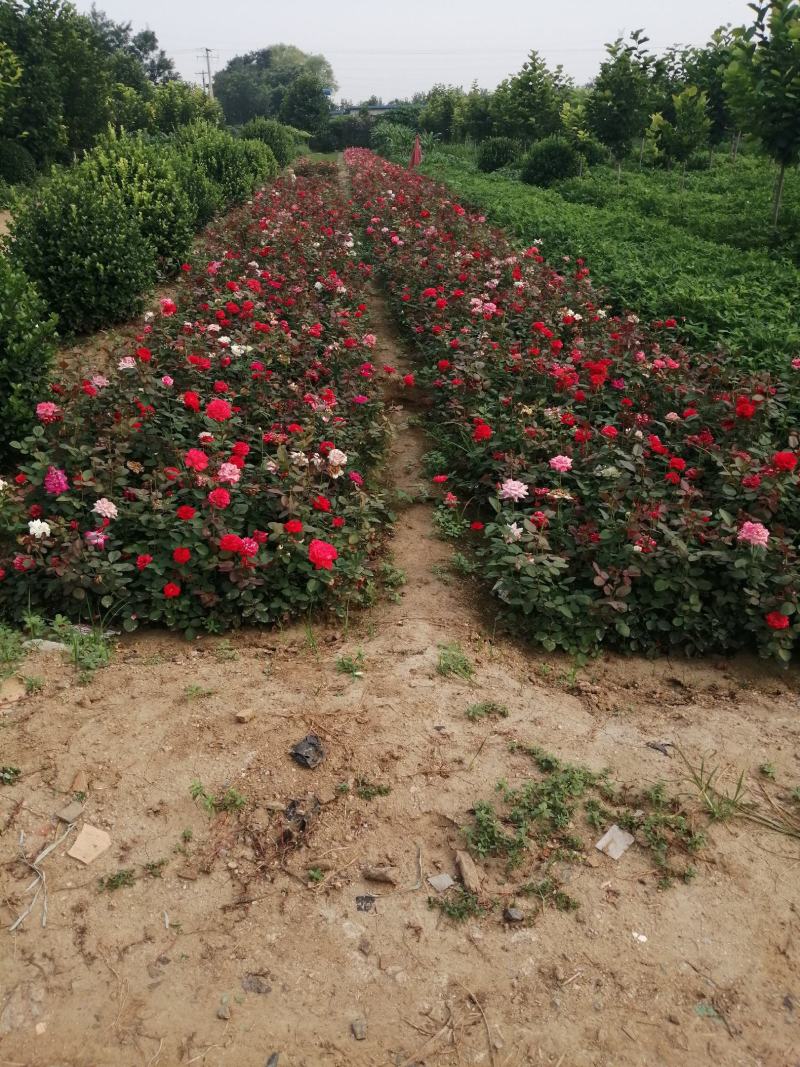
(256, 83)
(528, 106)
(440, 107)
(619, 105)
(705, 67)
(305, 104)
(763, 84)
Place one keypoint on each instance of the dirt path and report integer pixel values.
(228, 953)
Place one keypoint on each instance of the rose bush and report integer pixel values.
(219, 475)
(624, 489)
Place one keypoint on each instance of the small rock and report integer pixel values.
(80, 783)
(615, 842)
(71, 813)
(41, 1028)
(224, 1011)
(673, 1018)
(256, 983)
(513, 915)
(359, 1028)
(90, 843)
(308, 752)
(380, 874)
(38, 644)
(641, 938)
(245, 716)
(365, 946)
(470, 875)
(365, 902)
(441, 882)
(273, 1060)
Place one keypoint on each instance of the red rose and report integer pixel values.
(230, 543)
(181, 555)
(776, 620)
(185, 512)
(322, 555)
(677, 464)
(784, 461)
(219, 498)
(337, 523)
(482, 432)
(321, 503)
(191, 400)
(293, 526)
(143, 561)
(171, 589)
(196, 459)
(218, 410)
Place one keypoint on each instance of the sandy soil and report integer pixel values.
(230, 955)
(5, 219)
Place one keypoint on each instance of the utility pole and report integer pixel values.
(201, 74)
(208, 68)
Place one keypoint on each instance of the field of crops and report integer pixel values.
(703, 255)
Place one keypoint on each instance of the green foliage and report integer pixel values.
(305, 104)
(549, 160)
(439, 110)
(496, 152)
(459, 904)
(273, 134)
(352, 665)
(763, 78)
(78, 240)
(763, 83)
(17, 165)
(257, 83)
(9, 774)
(680, 139)
(617, 108)
(148, 180)
(122, 879)
(485, 709)
(528, 106)
(453, 662)
(738, 300)
(367, 790)
(177, 104)
(27, 344)
(229, 801)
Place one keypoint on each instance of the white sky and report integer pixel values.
(395, 48)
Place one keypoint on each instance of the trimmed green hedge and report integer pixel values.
(27, 343)
(96, 236)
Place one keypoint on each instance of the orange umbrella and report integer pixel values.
(416, 154)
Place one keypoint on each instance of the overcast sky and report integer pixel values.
(395, 48)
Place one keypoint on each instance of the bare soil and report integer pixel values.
(229, 953)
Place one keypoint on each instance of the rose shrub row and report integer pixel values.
(625, 490)
(218, 475)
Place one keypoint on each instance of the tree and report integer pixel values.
(528, 106)
(688, 132)
(763, 84)
(157, 65)
(473, 116)
(256, 83)
(705, 67)
(61, 96)
(305, 104)
(439, 110)
(618, 107)
(10, 75)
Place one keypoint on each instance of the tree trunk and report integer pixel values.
(619, 172)
(641, 153)
(778, 195)
(736, 144)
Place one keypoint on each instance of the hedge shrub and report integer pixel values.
(27, 343)
(549, 160)
(77, 238)
(274, 135)
(17, 165)
(97, 235)
(496, 152)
